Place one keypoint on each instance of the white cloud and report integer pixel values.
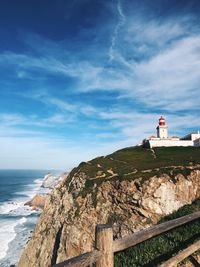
(120, 23)
(63, 105)
(12, 119)
(171, 70)
(168, 80)
(166, 75)
(156, 32)
(171, 77)
(140, 125)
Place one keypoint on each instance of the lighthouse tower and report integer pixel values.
(162, 129)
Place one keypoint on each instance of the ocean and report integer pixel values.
(16, 220)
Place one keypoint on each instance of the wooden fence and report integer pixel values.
(103, 254)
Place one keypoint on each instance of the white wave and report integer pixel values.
(32, 189)
(12, 229)
(22, 220)
(16, 207)
(38, 181)
(7, 234)
(8, 207)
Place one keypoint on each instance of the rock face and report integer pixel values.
(66, 227)
(37, 202)
(50, 181)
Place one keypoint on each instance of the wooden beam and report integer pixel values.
(138, 237)
(181, 255)
(104, 243)
(83, 260)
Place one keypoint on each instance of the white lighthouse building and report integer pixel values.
(163, 140)
(162, 129)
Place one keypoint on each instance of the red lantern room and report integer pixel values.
(162, 121)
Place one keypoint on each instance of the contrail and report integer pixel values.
(121, 22)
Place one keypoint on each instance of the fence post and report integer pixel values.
(104, 243)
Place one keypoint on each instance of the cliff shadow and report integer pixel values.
(56, 246)
(194, 261)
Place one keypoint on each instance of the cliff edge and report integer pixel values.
(131, 189)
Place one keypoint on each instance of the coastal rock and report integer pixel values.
(50, 181)
(37, 202)
(66, 227)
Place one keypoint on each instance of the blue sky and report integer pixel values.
(83, 78)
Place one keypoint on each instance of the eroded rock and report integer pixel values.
(66, 227)
(37, 202)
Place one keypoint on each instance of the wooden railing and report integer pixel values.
(103, 254)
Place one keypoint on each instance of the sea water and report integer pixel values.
(16, 220)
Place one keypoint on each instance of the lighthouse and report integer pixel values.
(163, 140)
(162, 129)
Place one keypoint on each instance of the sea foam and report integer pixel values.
(7, 234)
(13, 214)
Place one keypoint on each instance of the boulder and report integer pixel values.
(37, 202)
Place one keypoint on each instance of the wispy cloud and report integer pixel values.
(10, 119)
(120, 23)
(139, 125)
(168, 64)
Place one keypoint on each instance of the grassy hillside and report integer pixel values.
(161, 248)
(134, 162)
(142, 158)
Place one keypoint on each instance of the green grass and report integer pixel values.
(158, 249)
(142, 158)
(129, 163)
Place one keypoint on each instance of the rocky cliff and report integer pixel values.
(131, 189)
